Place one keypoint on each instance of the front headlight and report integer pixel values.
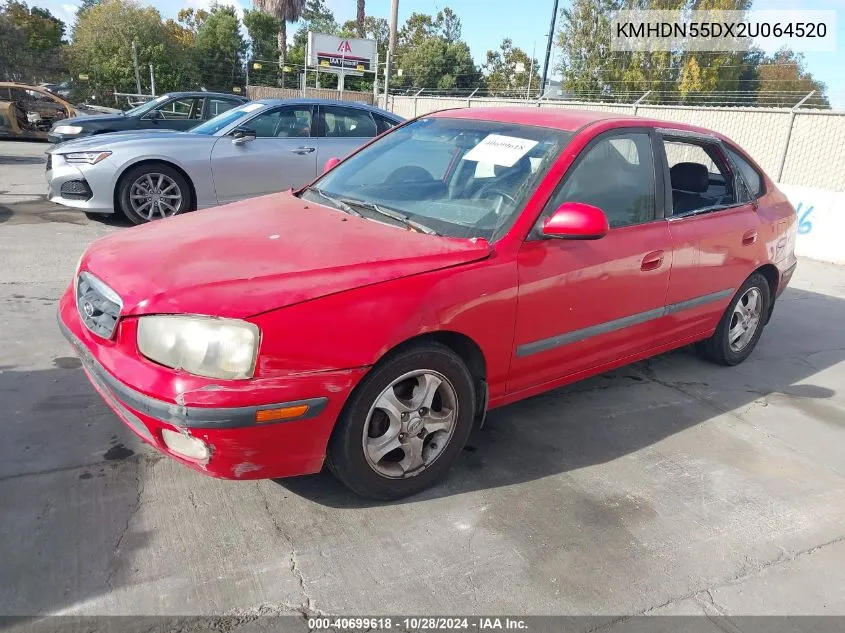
(205, 346)
(68, 129)
(92, 158)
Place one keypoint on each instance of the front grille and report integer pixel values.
(77, 189)
(98, 305)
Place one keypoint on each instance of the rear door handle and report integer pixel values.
(749, 237)
(303, 150)
(652, 260)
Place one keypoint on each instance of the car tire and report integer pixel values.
(420, 455)
(740, 327)
(166, 188)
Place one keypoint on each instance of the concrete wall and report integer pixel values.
(814, 155)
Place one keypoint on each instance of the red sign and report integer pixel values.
(344, 47)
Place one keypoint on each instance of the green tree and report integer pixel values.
(432, 55)
(31, 40)
(284, 11)
(501, 71)
(219, 49)
(262, 29)
(783, 81)
(102, 49)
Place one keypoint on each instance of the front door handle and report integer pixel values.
(652, 260)
(749, 237)
(303, 150)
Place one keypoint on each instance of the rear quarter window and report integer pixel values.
(753, 178)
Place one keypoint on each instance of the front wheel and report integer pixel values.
(153, 192)
(741, 324)
(405, 425)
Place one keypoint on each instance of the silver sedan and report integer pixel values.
(258, 148)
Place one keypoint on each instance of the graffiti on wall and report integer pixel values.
(821, 222)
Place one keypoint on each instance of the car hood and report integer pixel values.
(256, 255)
(117, 139)
(86, 119)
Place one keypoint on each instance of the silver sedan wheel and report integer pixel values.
(410, 424)
(745, 319)
(154, 196)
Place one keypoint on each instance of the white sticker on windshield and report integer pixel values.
(500, 150)
(251, 107)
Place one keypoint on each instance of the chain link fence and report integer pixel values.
(794, 146)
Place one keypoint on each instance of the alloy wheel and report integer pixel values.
(745, 319)
(410, 424)
(155, 195)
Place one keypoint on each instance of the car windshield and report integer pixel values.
(225, 119)
(455, 177)
(146, 107)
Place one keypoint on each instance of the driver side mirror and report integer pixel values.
(334, 160)
(576, 221)
(242, 135)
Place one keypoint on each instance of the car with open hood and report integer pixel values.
(462, 261)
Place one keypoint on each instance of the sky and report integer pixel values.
(486, 22)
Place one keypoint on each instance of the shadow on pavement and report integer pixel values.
(612, 415)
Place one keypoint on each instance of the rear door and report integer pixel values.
(586, 303)
(283, 155)
(341, 130)
(716, 233)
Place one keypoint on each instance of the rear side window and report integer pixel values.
(383, 123)
(340, 122)
(752, 178)
(218, 106)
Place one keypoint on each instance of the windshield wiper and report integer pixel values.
(390, 213)
(336, 202)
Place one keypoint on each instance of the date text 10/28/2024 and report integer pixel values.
(418, 623)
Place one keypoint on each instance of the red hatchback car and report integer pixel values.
(462, 261)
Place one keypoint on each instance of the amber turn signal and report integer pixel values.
(285, 413)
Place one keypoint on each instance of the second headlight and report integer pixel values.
(205, 346)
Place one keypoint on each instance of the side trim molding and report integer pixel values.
(575, 336)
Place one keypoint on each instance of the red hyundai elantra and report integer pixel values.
(463, 261)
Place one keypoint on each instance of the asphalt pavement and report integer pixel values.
(672, 486)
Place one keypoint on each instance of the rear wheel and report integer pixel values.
(405, 425)
(741, 324)
(153, 191)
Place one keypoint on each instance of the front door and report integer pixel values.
(283, 155)
(586, 303)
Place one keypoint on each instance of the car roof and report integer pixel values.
(332, 102)
(566, 119)
(204, 93)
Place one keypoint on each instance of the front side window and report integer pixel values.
(457, 177)
(289, 122)
(700, 177)
(615, 174)
(340, 122)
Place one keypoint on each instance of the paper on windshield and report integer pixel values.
(500, 150)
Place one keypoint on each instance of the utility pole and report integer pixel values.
(531, 71)
(391, 46)
(137, 70)
(549, 48)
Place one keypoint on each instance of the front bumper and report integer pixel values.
(99, 179)
(239, 446)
